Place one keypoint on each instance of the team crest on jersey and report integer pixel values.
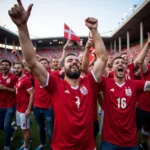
(128, 91)
(8, 80)
(83, 90)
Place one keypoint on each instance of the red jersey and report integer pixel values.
(55, 73)
(8, 99)
(73, 123)
(23, 85)
(29, 74)
(42, 98)
(119, 105)
(144, 98)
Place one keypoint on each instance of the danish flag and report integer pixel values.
(69, 34)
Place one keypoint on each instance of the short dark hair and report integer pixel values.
(70, 54)
(5, 60)
(118, 57)
(41, 59)
(19, 63)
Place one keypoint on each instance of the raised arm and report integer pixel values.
(14, 52)
(143, 53)
(100, 50)
(85, 60)
(68, 44)
(20, 17)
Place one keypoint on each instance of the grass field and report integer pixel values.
(35, 138)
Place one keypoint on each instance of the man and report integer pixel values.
(43, 111)
(119, 106)
(72, 97)
(143, 107)
(24, 100)
(54, 64)
(7, 101)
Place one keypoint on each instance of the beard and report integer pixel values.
(72, 74)
(18, 74)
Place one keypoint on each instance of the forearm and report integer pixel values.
(26, 45)
(13, 90)
(100, 49)
(63, 53)
(30, 103)
(142, 55)
(85, 60)
(18, 58)
(143, 68)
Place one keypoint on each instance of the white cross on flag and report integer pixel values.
(69, 34)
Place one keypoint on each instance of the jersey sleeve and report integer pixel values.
(52, 83)
(92, 82)
(140, 85)
(28, 84)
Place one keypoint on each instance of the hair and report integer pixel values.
(5, 60)
(118, 57)
(19, 63)
(54, 58)
(70, 54)
(123, 54)
(41, 59)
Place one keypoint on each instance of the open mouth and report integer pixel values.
(120, 70)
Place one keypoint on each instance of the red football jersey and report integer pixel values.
(42, 98)
(23, 85)
(55, 73)
(8, 99)
(119, 105)
(73, 122)
(144, 98)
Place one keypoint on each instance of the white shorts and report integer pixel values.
(22, 120)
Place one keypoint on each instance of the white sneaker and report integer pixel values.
(6, 148)
(14, 133)
(40, 147)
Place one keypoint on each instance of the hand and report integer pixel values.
(89, 43)
(148, 40)
(28, 112)
(68, 44)
(38, 57)
(80, 43)
(18, 14)
(91, 23)
(14, 52)
(2, 87)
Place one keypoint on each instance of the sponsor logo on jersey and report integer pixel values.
(8, 80)
(128, 91)
(112, 90)
(83, 90)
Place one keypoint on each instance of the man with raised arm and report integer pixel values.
(72, 97)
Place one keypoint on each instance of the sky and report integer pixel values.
(48, 16)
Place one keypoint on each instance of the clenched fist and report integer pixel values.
(18, 14)
(91, 23)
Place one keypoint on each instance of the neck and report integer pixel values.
(119, 80)
(72, 82)
(5, 74)
(53, 69)
(20, 76)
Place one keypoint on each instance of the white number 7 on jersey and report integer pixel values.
(122, 103)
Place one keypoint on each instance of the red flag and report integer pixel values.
(69, 34)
